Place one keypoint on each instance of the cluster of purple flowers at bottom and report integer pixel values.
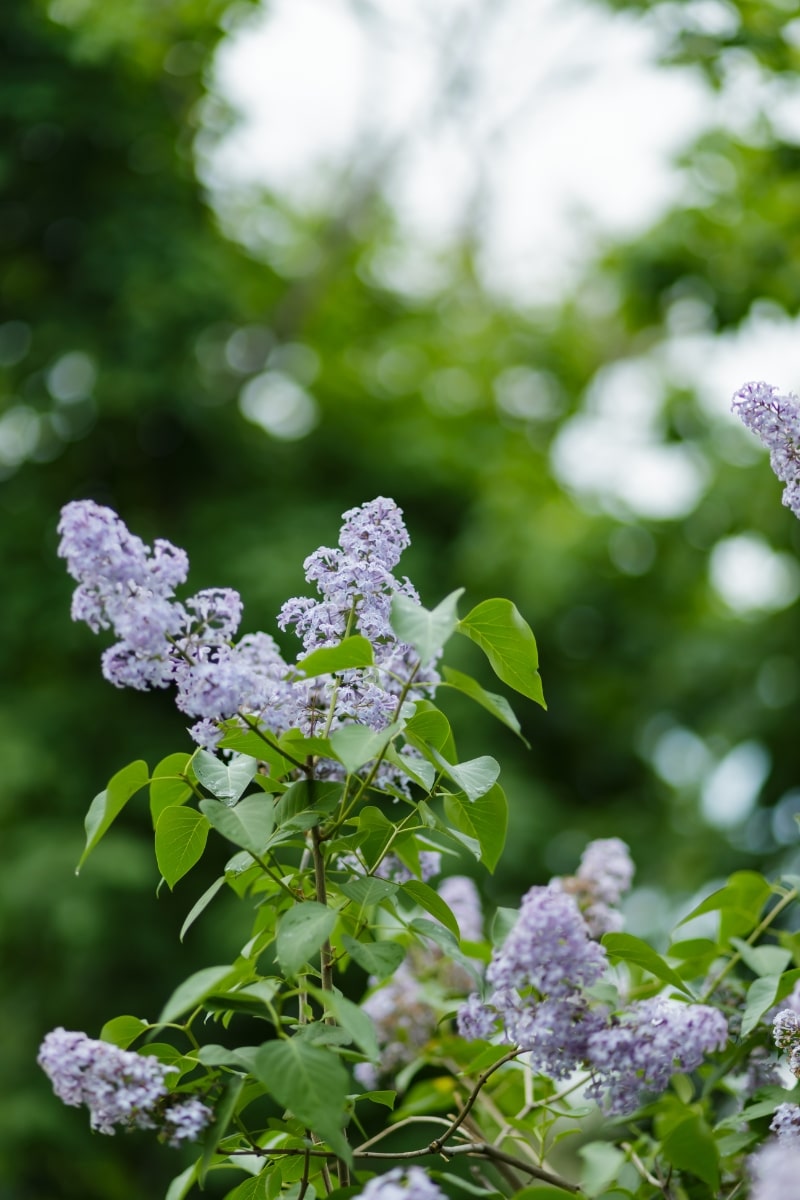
(119, 1087)
(129, 587)
(401, 1183)
(775, 419)
(540, 975)
(775, 1167)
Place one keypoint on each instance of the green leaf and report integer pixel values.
(107, 805)
(352, 1019)
(122, 1031)
(189, 994)
(474, 777)
(256, 745)
(248, 824)
(355, 745)
(226, 781)
(307, 797)
(181, 836)
(690, 1147)
(632, 949)
(311, 1082)
(601, 1166)
(740, 902)
(182, 1184)
(351, 653)
(223, 1112)
(508, 642)
(200, 905)
(429, 727)
(763, 960)
(380, 959)
(427, 631)
(254, 1188)
(498, 706)
(761, 995)
(485, 819)
(301, 932)
(169, 785)
(424, 895)
(418, 770)
(368, 890)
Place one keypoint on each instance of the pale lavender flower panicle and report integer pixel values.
(375, 531)
(775, 1169)
(395, 871)
(118, 1086)
(548, 949)
(652, 1040)
(604, 875)
(786, 1121)
(401, 1183)
(775, 419)
(462, 898)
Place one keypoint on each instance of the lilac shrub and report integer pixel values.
(372, 975)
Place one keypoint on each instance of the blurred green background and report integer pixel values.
(129, 325)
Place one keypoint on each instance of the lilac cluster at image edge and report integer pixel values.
(775, 419)
(128, 587)
(401, 1183)
(775, 1166)
(538, 996)
(119, 1087)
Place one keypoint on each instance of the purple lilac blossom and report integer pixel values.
(774, 1170)
(652, 1040)
(548, 949)
(775, 419)
(462, 898)
(125, 586)
(401, 1183)
(786, 1121)
(404, 1022)
(185, 1120)
(604, 875)
(119, 1087)
(786, 1029)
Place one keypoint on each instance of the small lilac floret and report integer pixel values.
(775, 419)
(475, 1020)
(786, 1121)
(185, 1120)
(786, 1028)
(401, 1183)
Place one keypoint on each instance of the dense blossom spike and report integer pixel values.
(775, 419)
(775, 1169)
(119, 1087)
(125, 586)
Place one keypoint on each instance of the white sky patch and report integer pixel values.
(751, 577)
(732, 789)
(531, 124)
(612, 451)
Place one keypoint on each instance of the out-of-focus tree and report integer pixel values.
(224, 396)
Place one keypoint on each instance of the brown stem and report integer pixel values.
(438, 1143)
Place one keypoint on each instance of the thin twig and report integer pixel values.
(473, 1096)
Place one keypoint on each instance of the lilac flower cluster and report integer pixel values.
(540, 977)
(786, 1035)
(786, 1121)
(461, 896)
(776, 420)
(774, 1169)
(605, 874)
(404, 1022)
(119, 1087)
(651, 1040)
(401, 1183)
(126, 586)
